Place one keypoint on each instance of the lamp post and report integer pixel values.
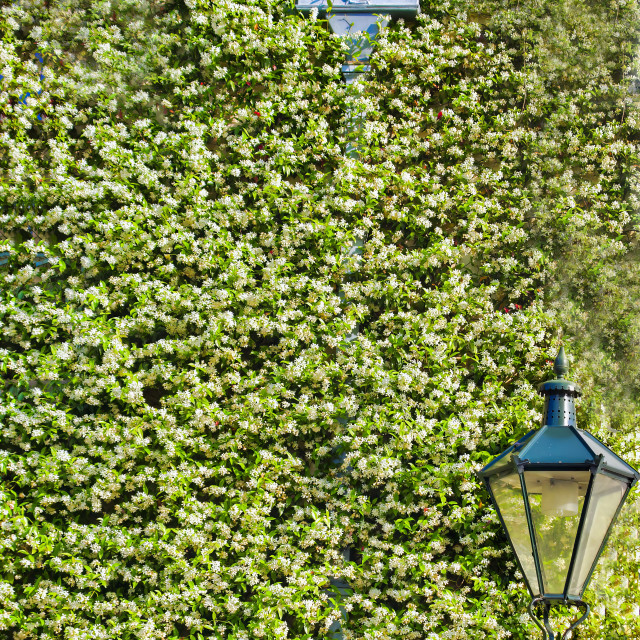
(558, 491)
(359, 23)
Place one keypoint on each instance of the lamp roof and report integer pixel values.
(552, 446)
(559, 441)
(557, 446)
(611, 461)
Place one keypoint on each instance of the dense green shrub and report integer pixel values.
(176, 383)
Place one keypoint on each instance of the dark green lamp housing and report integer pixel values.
(558, 491)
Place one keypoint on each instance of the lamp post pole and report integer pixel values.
(359, 22)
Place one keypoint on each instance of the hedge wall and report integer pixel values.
(176, 385)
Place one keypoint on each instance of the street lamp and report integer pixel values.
(558, 491)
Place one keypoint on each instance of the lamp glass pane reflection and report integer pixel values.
(556, 500)
(507, 492)
(606, 496)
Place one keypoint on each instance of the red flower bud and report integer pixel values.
(257, 113)
(439, 115)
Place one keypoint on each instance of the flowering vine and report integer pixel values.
(172, 343)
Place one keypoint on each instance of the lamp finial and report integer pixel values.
(561, 364)
(559, 394)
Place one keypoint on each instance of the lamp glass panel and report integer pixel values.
(507, 493)
(606, 496)
(556, 499)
